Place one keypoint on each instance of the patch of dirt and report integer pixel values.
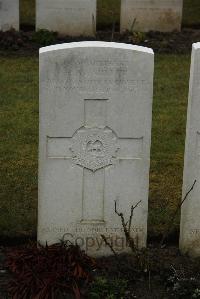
(152, 281)
(147, 279)
(4, 276)
(26, 42)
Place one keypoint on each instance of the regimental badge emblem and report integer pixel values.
(94, 148)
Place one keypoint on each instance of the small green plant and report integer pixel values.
(180, 286)
(138, 37)
(44, 37)
(108, 289)
(135, 37)
(196, 294)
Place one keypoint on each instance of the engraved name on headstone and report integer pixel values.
(95, 135)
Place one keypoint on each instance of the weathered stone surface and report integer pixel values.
(67, 17)
(95, 135)
(190, 212)
(146, 15)
(9, 14)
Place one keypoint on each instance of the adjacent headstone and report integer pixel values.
(190, 212)
(9, 14)
(146, 15)
(95, 135)
(67, 17)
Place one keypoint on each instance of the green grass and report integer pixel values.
(19, 141)
(107, 10)
(27, 12)
(18, 147)
(191, 12)
(168, 136)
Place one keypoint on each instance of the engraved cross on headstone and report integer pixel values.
(94, 147)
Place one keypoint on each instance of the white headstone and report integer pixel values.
(190, 212)
(95, 135)
(9, 14)
(67, 17)
(146, 15)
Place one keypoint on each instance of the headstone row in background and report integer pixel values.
(78, 17)
(9, 14)
(156, 15)
(68, 17)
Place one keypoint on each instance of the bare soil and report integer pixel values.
(153, 279)
(26, 43)
(148, 279)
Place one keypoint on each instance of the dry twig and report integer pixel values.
(129, 239)
(109, 245)
(171, 222)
